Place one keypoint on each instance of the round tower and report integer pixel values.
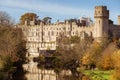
(119, 20)
(101, 16)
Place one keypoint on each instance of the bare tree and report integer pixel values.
(5, 19)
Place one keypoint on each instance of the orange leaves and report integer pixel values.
(106, 62)
(116, 60)
(27, 16)
(86, 59)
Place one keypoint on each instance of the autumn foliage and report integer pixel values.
(12, 47)
(116, 60)
(27, 16)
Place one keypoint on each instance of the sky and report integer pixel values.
(59, 9)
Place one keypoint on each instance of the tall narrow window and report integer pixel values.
(99, 21)
(52, 33)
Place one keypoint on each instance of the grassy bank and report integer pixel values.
(98, 74)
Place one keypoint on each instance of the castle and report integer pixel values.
(43, 36)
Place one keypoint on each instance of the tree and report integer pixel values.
(29, 17)
(116, 63)
(67, 56)
(106, 62)
(41, 61)
(75, 39)
(5, 19)
(93, 54)
(12, 47)
(70, 51)
(11, 42)
(47, 20)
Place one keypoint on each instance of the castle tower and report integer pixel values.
(119, 20)
(101, 26)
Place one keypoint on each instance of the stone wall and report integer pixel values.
(115, 30)
(43, 37)
(33, 73)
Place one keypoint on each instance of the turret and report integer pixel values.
(119, 20)
(101, 26)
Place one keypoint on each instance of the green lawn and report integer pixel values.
(98, 74)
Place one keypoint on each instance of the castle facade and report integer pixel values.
(43, 36)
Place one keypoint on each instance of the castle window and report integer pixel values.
(52, 33)
(95, 12)
(99, 12)
(90, 33)
(57, 33)
(99, 21)
(43, 33)
(32, 34)
(36, 34)
(76, 33)
(39, 34)
(48, 33)
(102, 11)
(64, 28)
(37, 29)
(73, 33)
(68, 28)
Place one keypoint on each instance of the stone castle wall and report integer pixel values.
(43, 37)
(115, 30)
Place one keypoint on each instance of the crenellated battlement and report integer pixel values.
(55, 25)
(101, 12)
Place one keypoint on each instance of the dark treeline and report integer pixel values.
(12, 47)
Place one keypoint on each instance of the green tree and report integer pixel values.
(75, 39)
(47, 20)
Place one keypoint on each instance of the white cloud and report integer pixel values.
(45, 7)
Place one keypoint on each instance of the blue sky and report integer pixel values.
(59, 9)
